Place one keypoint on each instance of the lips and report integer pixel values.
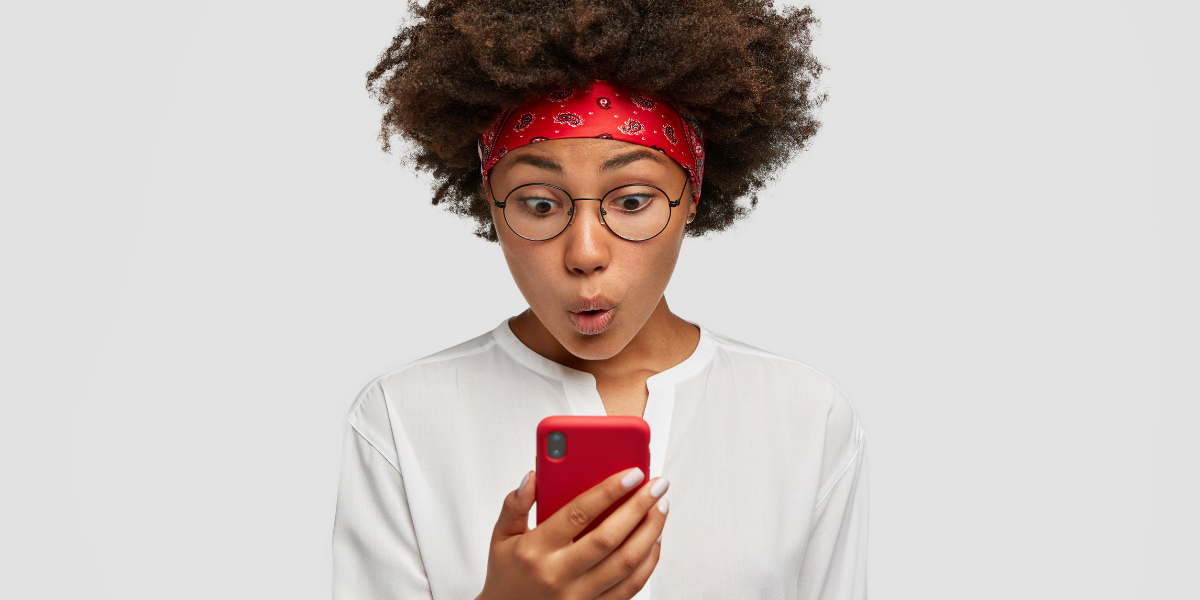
(591, 316)
(591, 322)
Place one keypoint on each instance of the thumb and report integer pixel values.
(514, 517)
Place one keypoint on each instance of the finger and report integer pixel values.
(606, 537)
(628, 557)
(574, 516)
(514, 516)
(633, 583)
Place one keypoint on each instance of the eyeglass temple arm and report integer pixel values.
(493, 195)
(678, 200)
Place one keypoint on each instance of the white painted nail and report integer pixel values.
(633, 478)
(524, 480)
(663, 505)
(659, 540)
(659, 487)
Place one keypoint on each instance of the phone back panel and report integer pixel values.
(596, 448)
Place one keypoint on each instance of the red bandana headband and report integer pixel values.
(600, 111)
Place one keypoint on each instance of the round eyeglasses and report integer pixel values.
(635, 211)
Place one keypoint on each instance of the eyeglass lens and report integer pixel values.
(635, 212)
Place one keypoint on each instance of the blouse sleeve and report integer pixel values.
(835, 561)
(375, 553)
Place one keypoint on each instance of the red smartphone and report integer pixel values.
(576, 453)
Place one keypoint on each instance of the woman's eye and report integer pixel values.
(540, 206)
(632, 203)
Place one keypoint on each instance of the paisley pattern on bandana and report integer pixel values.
(692, 129)
(632, 127)
(695, 142)
(670, 133)
(642, 101)
(624, 115)
(568, 118)
(525, 121)
(488, 139)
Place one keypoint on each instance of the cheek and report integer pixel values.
(649, 270)
(532, 268)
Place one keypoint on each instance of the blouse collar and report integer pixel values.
(543, 366)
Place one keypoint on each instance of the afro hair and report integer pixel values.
(744, 70)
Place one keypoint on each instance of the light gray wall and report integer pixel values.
(990, 246)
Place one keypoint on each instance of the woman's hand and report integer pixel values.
(611, 562)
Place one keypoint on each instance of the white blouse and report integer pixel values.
(765, 456)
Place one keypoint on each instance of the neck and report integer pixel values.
(665, 340)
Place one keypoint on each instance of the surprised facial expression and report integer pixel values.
(592, 289)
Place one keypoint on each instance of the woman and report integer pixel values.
(588, 139)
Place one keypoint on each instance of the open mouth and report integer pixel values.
(592, 322)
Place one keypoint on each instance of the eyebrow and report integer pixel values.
(540, 162)
(619, 161)
(613, 163)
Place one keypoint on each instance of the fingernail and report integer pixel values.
(659, 487)
(659, 540)
(632, 478)
(524, 480)
(663, 505)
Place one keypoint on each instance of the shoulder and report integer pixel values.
(787, 377)
(430, 369)
(370, 413)
(798, 389)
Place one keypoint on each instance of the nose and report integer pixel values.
(587, 240)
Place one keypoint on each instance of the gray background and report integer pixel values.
(990, 246)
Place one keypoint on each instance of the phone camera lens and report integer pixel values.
(556, 444)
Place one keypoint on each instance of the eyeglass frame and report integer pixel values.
(671, 204)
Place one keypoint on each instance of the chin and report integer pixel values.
(601, 346)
